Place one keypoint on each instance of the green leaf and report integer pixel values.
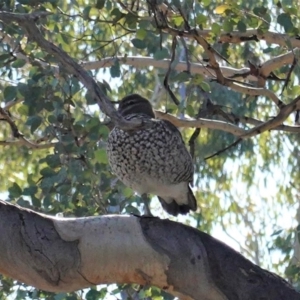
(47, 172)
(197, 79)
(144, 24)
(51, 119)
(86, 12)
(92, 294)
(190, 110)
(31, 190)
(4, 57)
(115, 70)
(260, 10)
(100, 4)
(18, 63)
(15, 190)
(137, 43)
(118, 15)
(205, 86)
(277, 232)
(161, 54)
(228, 25)
(128, 192)
(10, 93)
(182, 77)
(221, 9)
(241, 26)
(53, 160)
(101, 156)
(35, 201)
(60, 296)
(295, 90)
(23, 110)
(201, 19)
(131, 20)
(34, 122)
(215, 28)
(141, 33)
(206, 2)
(285, 21)
(178, 20)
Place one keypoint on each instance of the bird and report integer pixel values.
(152, 159)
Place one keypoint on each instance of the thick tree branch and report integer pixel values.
(58, 255)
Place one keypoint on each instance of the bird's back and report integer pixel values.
(150, 156)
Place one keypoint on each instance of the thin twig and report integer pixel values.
(166, 80)
(224, 149)
(289, 74)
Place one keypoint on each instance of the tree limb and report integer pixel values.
(60, 255)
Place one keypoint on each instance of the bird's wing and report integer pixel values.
(181, 153)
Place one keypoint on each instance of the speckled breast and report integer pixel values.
(144, 158)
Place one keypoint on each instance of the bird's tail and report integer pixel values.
(173, 208)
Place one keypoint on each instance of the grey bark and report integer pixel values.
(59, 254)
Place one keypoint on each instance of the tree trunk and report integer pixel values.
(60, 254)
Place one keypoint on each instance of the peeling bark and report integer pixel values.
(60, 254)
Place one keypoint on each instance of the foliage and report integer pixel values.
(247, 192)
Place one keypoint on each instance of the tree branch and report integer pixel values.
(60, 255)
(201, 123)
(278, 120)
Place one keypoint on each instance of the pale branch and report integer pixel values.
(278, 61)
(68, 254)
(220, 78)
(12, 103)
(195, 68)
(248, 120)
(206, 46)
(183, 123)
(254, 91)
(27, 21)
(140, 62)
(224, 126)
(196, 35)
(201, 123)
(208, 71)
(284, 112)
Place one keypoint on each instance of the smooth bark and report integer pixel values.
(61, 254)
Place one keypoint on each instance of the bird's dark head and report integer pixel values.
(135, 104)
